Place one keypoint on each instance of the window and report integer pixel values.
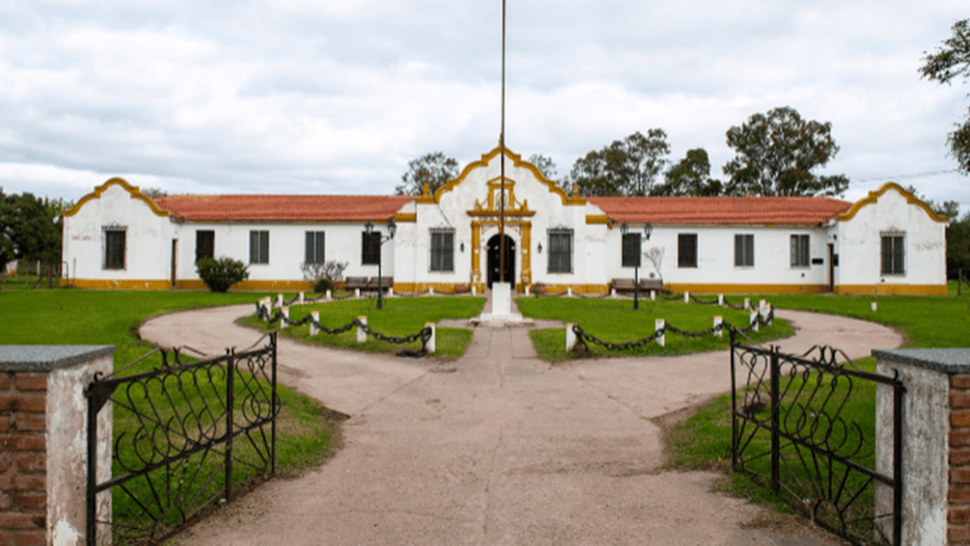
(744, 250)
(560, 251)
(631, 250)
(442, 250)
(259, 247)
(686, 250)
(114, 247)
(893, 254)
(799, 251)
(370, 248)
(205, 244)
(315, 247)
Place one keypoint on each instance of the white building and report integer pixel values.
(889, 242)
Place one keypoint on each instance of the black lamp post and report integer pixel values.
(391, 228)
(647, 230)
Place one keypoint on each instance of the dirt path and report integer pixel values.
(497, 447)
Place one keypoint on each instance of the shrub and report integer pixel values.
(220, 274)
(323, 275)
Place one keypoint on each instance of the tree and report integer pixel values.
(690, 176)
(434, 169)
(776, 154)
(220, 274)
(958, 247)
(30, 228)
(947, 63)
(545, 165)
(625, 167)
(154, 193)
(949, 209)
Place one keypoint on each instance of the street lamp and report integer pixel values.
(647, 230)
(391, 228)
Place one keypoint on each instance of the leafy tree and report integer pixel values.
(154, 193)
(545, 165)
(30, 228)
(625, 167)
(958, 248)
(776, 154)
(690, 176)
(947, 63)
(220, 274)
(950, 209)
(434, 169)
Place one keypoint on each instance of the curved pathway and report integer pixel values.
(497, 447)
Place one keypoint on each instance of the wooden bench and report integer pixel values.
(386, 282)
(627, 285)
(647, 285)
(354, 283)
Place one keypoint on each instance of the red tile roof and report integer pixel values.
(721, 210)
(284, 208)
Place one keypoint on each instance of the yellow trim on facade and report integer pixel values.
(516, 161)
(133, 190)
(874, 196)
(422, 287)
(598, 219)
(405, 217)
(589, 289)
(119, 284)
(710, 288)
(892, 289)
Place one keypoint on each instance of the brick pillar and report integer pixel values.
(936, 442)
(43, 441)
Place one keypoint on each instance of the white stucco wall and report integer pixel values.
(859, 242)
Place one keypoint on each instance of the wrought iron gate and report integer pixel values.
(796, 427)
(184, 434)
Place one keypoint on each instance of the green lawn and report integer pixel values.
(399, 317)
(615, 321)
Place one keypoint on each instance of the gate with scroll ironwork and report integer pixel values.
(805, 426)
(185, 434)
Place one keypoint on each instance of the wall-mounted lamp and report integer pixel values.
(540, 248)
(461, 247)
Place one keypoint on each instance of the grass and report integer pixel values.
(399, 317)
(703, 441)
(68, 316)
(615, 321)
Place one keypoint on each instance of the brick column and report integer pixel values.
(43, 435)
(936, 442)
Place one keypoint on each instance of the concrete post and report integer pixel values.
(361, 334)
(299, 298)
(768, 309)
(570, 337)
(527, 290)
(659, 325)
(653, 295)
(718, 320)
(430, 290)
(686, 297)
(569, 292)
(316, 319)
(286, 317)
(936, 443)
(356, 292)
(747, 303)
(612, 292)
(43, 428)
(475, 291)
(279, 300)
(390, 293)
(753, 319)
(431, 344)
(720, 300)
(329, 294)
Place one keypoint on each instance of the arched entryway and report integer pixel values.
(493, 260)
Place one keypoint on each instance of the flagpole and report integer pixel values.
(501, 229)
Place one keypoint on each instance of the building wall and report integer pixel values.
(891, 209)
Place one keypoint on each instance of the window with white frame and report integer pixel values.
(442, 250)
(744, 250)
(893, 254)
(686, 250)
(314, 247)
(259, 247)
(800, 253)
(115, 239)
(560, 251)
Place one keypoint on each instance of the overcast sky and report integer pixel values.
(325, 96)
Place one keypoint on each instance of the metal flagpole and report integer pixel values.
(501, 229)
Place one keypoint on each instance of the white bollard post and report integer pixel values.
(747, 303)
(653, 295)
(754, 320)
(431, 290)
(429, 347)
(475, 291)
(768, 311)
(356, 292)
(718, 321)
(570, 337)
(526, 290)
(329, 295)
(686, 297)
(612, 292)
(720, 300)
(361, 334)
(279, 300)
(658, 325)
(313, 324)
(286, 316)
(299, 297)
(761, 307)
(569, 292)
(390, 293)
(874, 307)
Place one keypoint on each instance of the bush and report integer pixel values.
(323, 275)
(220, 274)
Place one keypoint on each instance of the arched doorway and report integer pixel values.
(493, 260)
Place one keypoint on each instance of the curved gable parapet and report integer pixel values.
(874, 196)
(517, 161)
(133, 190)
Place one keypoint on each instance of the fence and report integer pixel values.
(186, 434)
(805, 426)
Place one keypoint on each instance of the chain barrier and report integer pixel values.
(582, 337)
(424, 335)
